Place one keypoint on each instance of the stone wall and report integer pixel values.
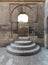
(4, 13)
(22, 0)
(36, 16)
(5, 23)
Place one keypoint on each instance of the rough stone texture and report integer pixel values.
(33, 38)
(40, 17)
(4, 13)
(5, 24)
(32, 19)
(5, 38)
(36, 20)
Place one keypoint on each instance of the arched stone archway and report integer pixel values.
(19, 10)
(36, 16)
(28, 9)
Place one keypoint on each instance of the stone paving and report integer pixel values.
(8, 59)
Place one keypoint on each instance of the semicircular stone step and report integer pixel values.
(23, 52)
(23, 42)
(23, 38)
(27, 47)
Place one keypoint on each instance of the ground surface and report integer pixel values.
(39, 59)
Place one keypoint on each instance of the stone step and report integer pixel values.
(23, 52)
(22, 42)
(27, 47)
(23, 38)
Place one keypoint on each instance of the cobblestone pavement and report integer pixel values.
(8, 59)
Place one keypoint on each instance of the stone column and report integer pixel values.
(45, 24)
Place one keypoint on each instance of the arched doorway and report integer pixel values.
(22, 17)
(23, 26)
